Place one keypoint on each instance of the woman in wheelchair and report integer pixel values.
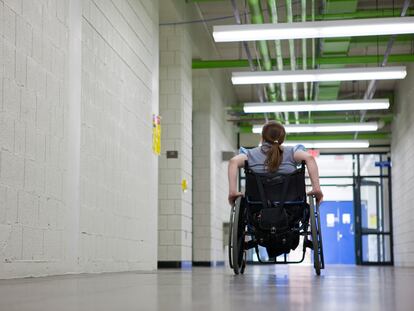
(274, 211)
(272, 156)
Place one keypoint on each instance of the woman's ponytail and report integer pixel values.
(274, 158)
(274, 134)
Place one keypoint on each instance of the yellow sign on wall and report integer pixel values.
(156, 134)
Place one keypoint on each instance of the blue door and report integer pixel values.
(337, 221)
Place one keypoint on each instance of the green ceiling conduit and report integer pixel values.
(256, 118)
(362, 14)
(257, 18)
(381, 40)
(376, 135)
(272, 8)
(327, 60)
(289, 16)
(334, 47)
(304, 52)
(313, 51)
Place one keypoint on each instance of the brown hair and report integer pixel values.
(274, 134)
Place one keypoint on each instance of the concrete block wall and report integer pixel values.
(175, 205)
(118, 169)
(402, 154)
(202, 185)
(210, 205)
(33, 45)
(49, 154)
(223, 138)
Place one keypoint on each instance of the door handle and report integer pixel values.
(338, 235)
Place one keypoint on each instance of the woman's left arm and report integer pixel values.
(234, 164)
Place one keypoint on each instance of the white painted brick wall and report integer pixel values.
(118, 172)
(175, 206)
(212, 92)
(402, 154)
(30, 169)
(118, 169)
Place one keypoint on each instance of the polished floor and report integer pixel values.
(261, 288)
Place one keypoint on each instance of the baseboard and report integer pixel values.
(174, 264)
(208, 263)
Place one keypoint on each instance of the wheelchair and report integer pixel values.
(274, 213)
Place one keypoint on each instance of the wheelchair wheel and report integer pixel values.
(237, 243)
(318, 222)
(243, 267)
(230, 248)
(315, 239)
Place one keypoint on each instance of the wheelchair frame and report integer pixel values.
(239, 229)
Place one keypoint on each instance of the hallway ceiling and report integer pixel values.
(221, 13)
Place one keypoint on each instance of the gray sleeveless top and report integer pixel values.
(256, 158)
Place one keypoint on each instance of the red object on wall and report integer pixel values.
(313, 152)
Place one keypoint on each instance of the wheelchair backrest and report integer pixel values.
(276, 188)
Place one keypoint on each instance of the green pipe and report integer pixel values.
(386, 119)
(272, 8)
(367, 59)
(304, 57)
(363, 14)
(384, 135)
(313, 51)
(374, 40)
(334, 60)
(289, 16)
(257, 18)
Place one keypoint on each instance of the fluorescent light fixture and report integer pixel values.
(319, 75)
(318, 29)
(327, 105)
(321, 144)
(325, 127)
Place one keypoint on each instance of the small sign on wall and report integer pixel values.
(227, 155)
(172, 154)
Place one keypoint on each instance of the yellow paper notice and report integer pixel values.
(156, 134)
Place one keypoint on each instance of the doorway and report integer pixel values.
(356, 215)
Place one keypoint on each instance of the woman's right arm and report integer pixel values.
(300, 156)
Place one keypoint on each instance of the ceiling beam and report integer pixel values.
(304, 137)
(334, 60)
(332, 118)
(363, 14)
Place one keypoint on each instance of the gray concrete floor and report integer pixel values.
(261, 288)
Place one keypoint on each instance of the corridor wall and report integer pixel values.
(212, 134)
(402, 154)
(78, 180)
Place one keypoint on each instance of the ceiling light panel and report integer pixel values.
(317, 29)
(321, 144)
(334, 105)
(325, 127)
(319, 75)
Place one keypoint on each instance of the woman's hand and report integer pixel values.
(233, 195)
(317, 192)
